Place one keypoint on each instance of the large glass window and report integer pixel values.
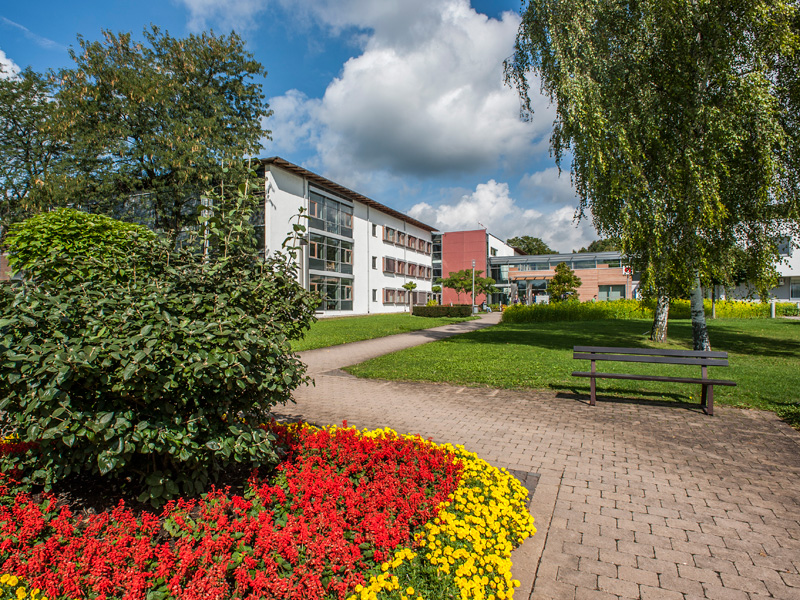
(794, 290)
(336, 292)
(326, 214)
(330, 254)
(610, 292)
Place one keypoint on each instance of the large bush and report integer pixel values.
(163, 376)
(68, 243)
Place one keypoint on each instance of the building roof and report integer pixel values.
(533, 258)
(341, 190)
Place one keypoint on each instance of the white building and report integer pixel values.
(359, 253)
(788, 288)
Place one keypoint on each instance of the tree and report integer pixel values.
(458, 281)
(679, 120)
(564, 284)
(28, 144)
(410, 286)
(484, 285)
(602, 246)
(144, 129)
(530, 245)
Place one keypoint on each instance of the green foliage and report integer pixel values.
(564, 284)
(50, 246)
(457, 310)
(602, 246)
(576, 311)
(461, 282)
(634, 309)
(28, 145)
(136, 130)
(163, 376)
(530, 245)
(680, 120)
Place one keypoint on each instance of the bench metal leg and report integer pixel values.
(593, 397)
(710, 398)
(707, 397)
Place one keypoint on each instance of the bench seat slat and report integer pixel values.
(653, 378)
(653, 351)
(661, 360)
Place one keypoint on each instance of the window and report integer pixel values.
(374, 262)
(389, 265)
(400, 269)
(388, 296)
(336, 292)
(412, 241)
(374, 295)
(610, 292)
(374, 230)
(388, 234)
(428, 247)
(329, 254)
(794, 290)
(401, 238)
(493, 252)
(327, 214)
(421, 245)
(412, 270)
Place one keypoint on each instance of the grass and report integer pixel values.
(332, 332)
(764, 356)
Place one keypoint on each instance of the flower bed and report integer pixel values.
(348, 515)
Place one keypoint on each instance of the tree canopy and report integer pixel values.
(680, 118)
(601, 246)
(138, 130)
(530, 245)
(564, 284)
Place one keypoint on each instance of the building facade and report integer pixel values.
(357, 253)
(604, 276)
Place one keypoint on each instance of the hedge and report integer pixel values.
(457, 310)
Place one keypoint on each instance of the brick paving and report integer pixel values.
(633, 500)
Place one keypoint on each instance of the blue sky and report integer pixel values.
(402, 101)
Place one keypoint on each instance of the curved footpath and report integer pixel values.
(634, 500)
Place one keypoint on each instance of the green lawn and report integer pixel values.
(764, 360)
(332, 332)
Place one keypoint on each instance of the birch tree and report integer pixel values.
(677, 116)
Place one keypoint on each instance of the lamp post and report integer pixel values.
(473, 286)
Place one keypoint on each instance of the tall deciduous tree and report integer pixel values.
(530, 245)
(28, 144)
(149, 127)
(678, 117)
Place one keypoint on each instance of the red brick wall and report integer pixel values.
(459, 249)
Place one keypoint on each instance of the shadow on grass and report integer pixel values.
(732, 336)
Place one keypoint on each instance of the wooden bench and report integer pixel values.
(702, 358)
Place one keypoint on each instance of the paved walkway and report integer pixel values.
(634, 500)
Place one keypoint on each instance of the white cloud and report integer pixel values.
(37, 39)
(426, 95)
(8, 68)
(228, 14)
(491, 205)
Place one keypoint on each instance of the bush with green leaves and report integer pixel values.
(101, 243)
(163, 377)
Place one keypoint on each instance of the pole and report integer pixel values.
(473, 286)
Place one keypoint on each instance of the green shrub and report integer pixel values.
(163, 377)
(457, 310)
(103, 244)
(576, 311)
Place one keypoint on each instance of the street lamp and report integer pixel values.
(473, 286)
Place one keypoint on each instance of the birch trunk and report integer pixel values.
(699, 329)
(659, 331)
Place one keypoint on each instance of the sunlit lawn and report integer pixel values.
(332, 332)
(764, 360)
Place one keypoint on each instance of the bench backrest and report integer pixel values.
(708, 358)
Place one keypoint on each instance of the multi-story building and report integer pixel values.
(358, 253)
(604, 276)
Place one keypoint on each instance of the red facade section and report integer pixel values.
(459, 249)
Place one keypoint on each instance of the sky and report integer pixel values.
(400, 100)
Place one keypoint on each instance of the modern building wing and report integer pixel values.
(358, 253)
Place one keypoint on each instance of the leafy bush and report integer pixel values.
(163, 376)
(457, 310)
(633, 309)
(576, 311)
(44, 246)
